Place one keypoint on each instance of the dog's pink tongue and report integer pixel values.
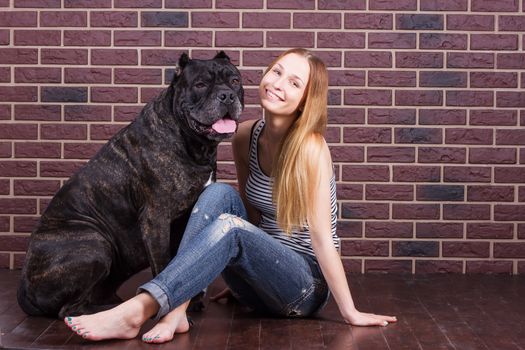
(224, 126)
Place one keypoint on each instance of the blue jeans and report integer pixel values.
(261, 272)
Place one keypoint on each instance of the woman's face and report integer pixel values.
(282, 88)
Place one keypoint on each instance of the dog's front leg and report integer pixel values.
(155, 227)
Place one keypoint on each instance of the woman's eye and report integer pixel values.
(276, 71)
(294, 84)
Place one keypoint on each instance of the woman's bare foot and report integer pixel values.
(121, 322)
(174, 322)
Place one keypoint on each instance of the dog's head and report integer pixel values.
(208, 96)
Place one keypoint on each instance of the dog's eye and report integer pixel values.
(235, 81)
(200, 85)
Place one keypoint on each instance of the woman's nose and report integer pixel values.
(278, 83)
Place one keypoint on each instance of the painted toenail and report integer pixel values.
(74, 327)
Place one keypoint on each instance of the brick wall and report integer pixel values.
(427, 110)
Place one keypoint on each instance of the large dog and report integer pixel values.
(112, 218)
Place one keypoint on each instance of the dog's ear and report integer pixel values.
(183, 61)
(222, 54)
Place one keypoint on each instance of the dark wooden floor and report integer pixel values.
(434, 312)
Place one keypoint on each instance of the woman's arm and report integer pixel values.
(320, 229)
(241, 150)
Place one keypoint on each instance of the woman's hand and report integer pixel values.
(357, 318)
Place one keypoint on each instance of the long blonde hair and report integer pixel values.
(295, 170)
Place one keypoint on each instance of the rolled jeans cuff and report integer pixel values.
(159, 295)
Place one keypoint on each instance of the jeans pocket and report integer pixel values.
(310, 301)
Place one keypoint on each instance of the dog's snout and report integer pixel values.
(226, 97)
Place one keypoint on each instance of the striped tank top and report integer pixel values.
(259, 194)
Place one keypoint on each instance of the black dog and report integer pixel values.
(112, 218)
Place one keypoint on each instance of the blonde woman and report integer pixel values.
(275, 242)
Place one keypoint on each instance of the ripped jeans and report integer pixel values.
(261, 272)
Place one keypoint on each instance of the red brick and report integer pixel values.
(470, 22)
(291, 4)
(18, 93)
(442, 79)
(5, 74)
(148, 94)
(511, 60)
(190, 4)
(352, 265)
(63, 94)
(495, 80)
(439, 230)
(244, 38)
(319, 20)
(522, 156)
(266, 20)
(114, 94)
(470, 98)
(59, 168)
(287, 39)
(4, 224)
(364, 248)
(389, 192)
(441, 155)
(5, 112)
(239, 4)
(509, 174)
(349, 191)
(419, 21)
(368, 21)
(81, 150)
(444, 5)
(343, 78)
(438, 266)
(63, 131)
(387, 229)
(440, 193)
(368, 97)
(138, 38)
(37, 149)
(509, 250)
(489, 230)
(103, 131)
(470, 60)
(346, 116)
(17, 206)
(466, 174)
(511, 23)
(466, 249)
(390, 154)
(18, 19)
(367, 135)
(490, 193)
(87, 113)
(521, 194)
(509, 212)
(87, 38)
(226, 171)
(410, 59)
(87, 75)
(36, 187)
(114, 57)
(418, 135)
(37, 37)
(342, 5)
(333, 134)
(385, 78)
(363, 173)
(18, 260)
(416, 173)
(489, 267)
(492, 156)
(402, 5)
(64, 56)
(521, 231)
(493, 42)
(510, 99)
(87, 3)
(188, 38)
(4, 260)
(439, 41)
(18, 131)
(415, 211)
(25, 223)
(18, 56)
(347, 153)
(5, 37)
(392, 40)
(391, 116)
(493, 117)
(14, 243)
(466, 136)
(492, 6)
(5, 150)
(413, 248)
(113, 19)
(341, 40)
(388, 266)
(365, 59)
(38, 75)
(466, 211)
(5, 189)
(350, 228)
(160, 57)
(37, 112)
(215, 19)
(137, 76)
(367, 210)
(419, 98)
(63, 19)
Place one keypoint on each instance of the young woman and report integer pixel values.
(275, 243)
